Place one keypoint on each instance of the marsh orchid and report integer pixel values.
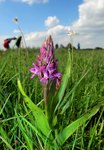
(46, 65)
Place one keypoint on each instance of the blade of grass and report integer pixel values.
(94, 129)
(7, 144)
(71, 128)
(25, 134)
(5, 103)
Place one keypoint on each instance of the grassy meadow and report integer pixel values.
(85, 91)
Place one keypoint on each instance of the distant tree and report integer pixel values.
(99, 48)
(74, 48)
(69, 45)
(87, 49)
(56, 46)
(62, 46)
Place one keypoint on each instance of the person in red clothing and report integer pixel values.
(7, 42)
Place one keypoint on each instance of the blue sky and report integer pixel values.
(38, 18)
(32, 16)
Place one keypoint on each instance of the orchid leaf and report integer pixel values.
(65, 80)
(65, 104)
(71, 128)
(41, 119)
(44, 139)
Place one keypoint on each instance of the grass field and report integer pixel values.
(85, 91)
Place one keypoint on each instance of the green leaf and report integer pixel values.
(64, 81)
(71, 128)
(41, 119)
(66, 103)
(44, 139)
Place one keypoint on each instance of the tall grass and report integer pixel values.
(85, 92)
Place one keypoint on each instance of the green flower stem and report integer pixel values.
(45, 97)
(72, 55)
(72, 48)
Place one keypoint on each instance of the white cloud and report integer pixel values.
(35, 39)
(59, 34)
(1, 41)
(51, 21)
(90, 24)
(30, 2)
